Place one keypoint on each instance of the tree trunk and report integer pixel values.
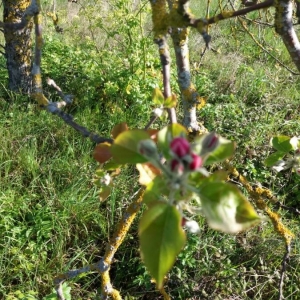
(18, 47)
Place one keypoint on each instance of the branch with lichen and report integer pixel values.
(284, 27)
(259, 194)
(103, 266)
(32, 10)
(191, 99)
(160, 19)
(54, 16)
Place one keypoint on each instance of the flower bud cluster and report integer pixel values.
(183, 157)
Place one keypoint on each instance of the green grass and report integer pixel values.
(51, 219)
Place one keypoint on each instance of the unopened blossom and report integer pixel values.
(210, 142)
(177, 166)
(180, 146)
(196, 162)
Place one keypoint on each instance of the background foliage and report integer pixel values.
(51, 218)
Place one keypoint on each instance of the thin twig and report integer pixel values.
(151, 121)
(53, 107)
(283, 269)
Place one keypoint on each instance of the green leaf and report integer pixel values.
(199, 180)
(282, 143)
(274, 158)
(110, 166)
(170, 102)
(155, 189)
(147, 173)
(222, 152)
(225, 208)
(158, 97)
(125, 147)
(167, 134)
(161, 239)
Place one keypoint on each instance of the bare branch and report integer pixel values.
(165, 63)
(54, 108)
(241, 12)
(283, 269)
(67, 98)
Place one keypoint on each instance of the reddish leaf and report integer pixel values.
(153, 134)
(102, 152)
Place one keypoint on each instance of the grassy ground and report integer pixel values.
(51, 219)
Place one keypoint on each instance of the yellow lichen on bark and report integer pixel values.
(116, 241)
(284, 232)
(227, 14)
(257, 194)
(40, 98)
(160, 17)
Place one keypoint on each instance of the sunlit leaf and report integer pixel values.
(171, 101)
(125, 147)
(158, 97)
(119, 128)
(274, 158)
(161, 239)
(102, 152)
(111, 165)
(155, 190)
(167, 134)
(104, 193)
(147, 173)
(199, 179)
(225, 208)
(282, 143)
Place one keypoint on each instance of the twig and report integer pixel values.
(67, 98)
(165, 63)
(151, 121)
(54, 108)
(283, 269)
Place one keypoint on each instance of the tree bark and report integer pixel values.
(18, 47)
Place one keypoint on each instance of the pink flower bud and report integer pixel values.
(297, 171)
(177, 166)
(196, 162)
(210, 142)
(180, 146)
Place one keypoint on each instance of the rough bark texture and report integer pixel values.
(18, 47)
